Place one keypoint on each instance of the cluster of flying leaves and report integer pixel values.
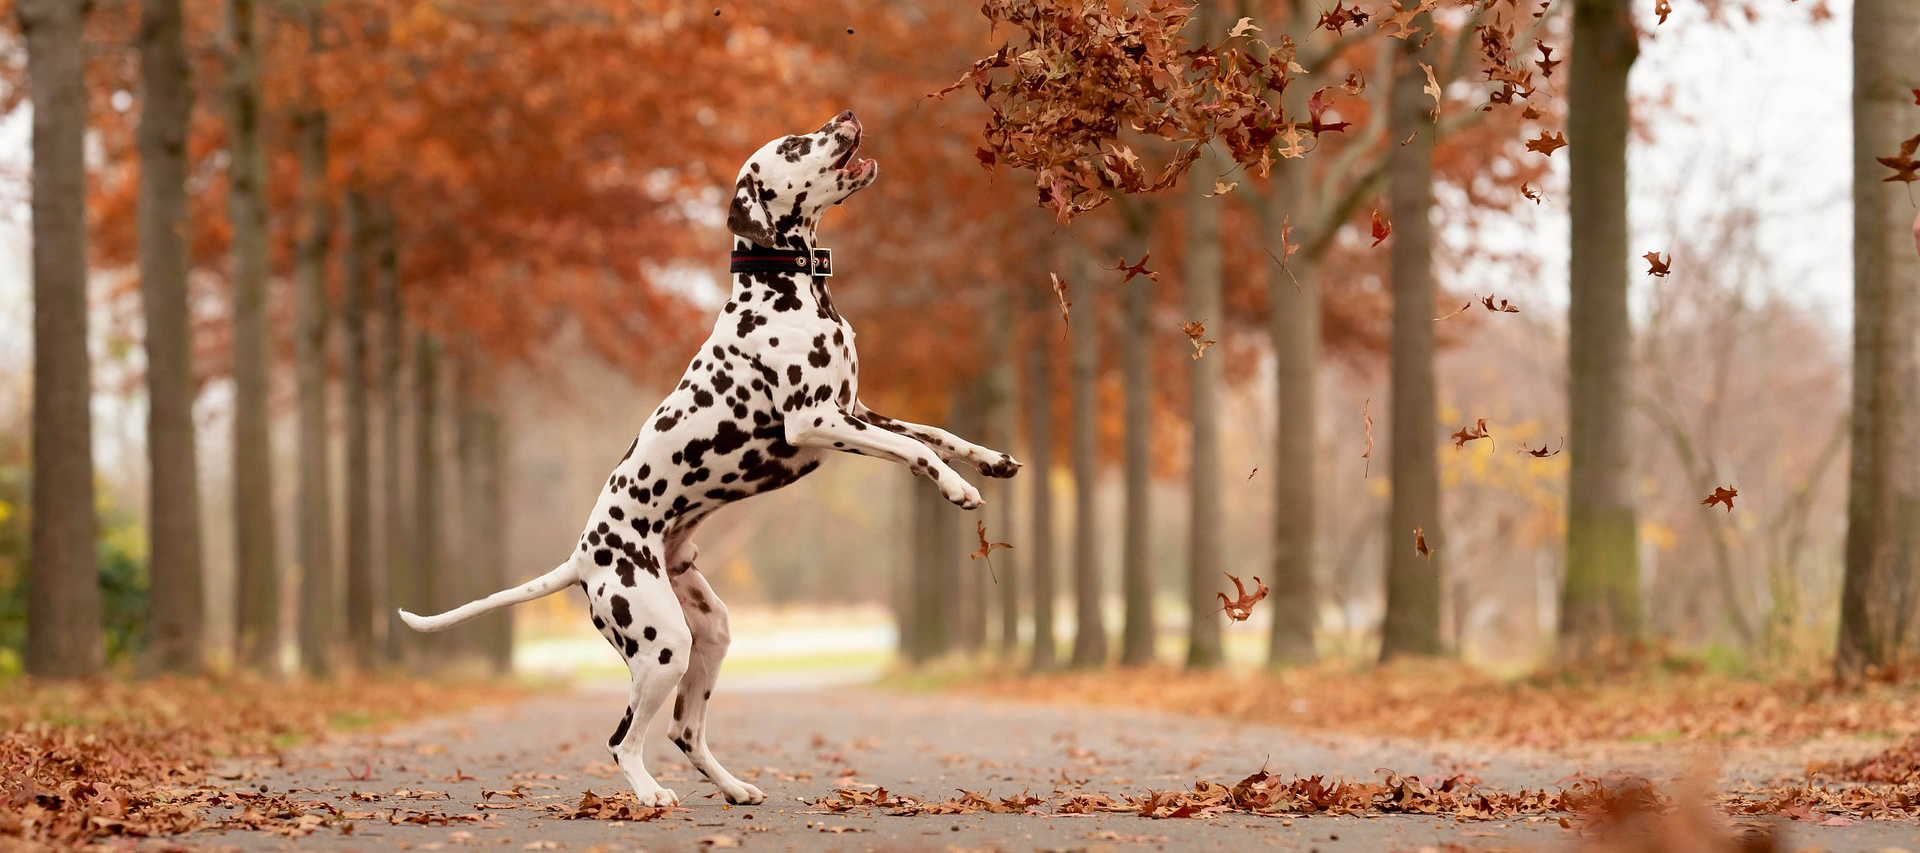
(1082, 81)
(79, 764)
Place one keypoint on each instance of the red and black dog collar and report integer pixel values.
(818, 263)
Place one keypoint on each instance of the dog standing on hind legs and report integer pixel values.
(771, 391)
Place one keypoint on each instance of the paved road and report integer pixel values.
(801, 745)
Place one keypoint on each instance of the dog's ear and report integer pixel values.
(748, 215)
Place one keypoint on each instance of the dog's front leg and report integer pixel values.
(834, 429)
(991, 462)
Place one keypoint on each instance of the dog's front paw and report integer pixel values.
(747, 795)
(1000, 468)
(960, 492)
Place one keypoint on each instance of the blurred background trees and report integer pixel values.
(394, 283)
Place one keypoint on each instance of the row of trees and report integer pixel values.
(441, 187)
(1601, 612)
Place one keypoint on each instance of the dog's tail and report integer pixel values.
(547, 584)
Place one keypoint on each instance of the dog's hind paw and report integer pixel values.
(748, 795)
(658, 798)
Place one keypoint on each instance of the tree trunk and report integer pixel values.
(1003, 412)
(971, 410)
(1039, 369)
(1600, 603)
(1883, 496)
(429, 592)
(1136, 643)
(496, 629)
(1293, 300)
(1412, 624)
(1203, 273)
(63, 597)
(258, 623)
(398, 582)
(1090, 627)
(470, 573)
(357, 250)
(175, 611)
(318, 633)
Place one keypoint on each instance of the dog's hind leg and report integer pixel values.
(644, 622)
(706, 616)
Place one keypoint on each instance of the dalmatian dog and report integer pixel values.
(768, 395)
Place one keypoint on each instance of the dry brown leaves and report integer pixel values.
(1261, 793)
(620, 806)
(1454, 702)
(1658, 265)
(84, 763)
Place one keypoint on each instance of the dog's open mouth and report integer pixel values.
(846, 157)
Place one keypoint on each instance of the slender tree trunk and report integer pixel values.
(1136, 644)
(429, 591)
(1003, 413)
(1412, 624)
(1039, 369)
(63, 598)
(399, 574)
(468, 573)
(1883, 495)
(1600, 604)
(1293, 299)
(1090, 627)
(258, 623)
(175, 611)
(357, 250)
(318, 633)
(496, 632)
(1203, 273)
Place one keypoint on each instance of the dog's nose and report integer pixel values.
(844, 116)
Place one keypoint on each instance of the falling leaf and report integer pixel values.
(1547, 143)
(1238, 609)
(1432, 88)
(1542, 452)
(1402, 19)
(1287, 246)
(1722, 495)
(1477, 432)
(1221, 188)
(1546, 61)
(1340, 18)
(1420, 543)
(1456, 312)
(1656, 266)
(1663, 8)
(1381, 227)
(1250, 474)
(1317, 107)
(1916, 97)
(1134, 269)
(987, 548)
(1242, 28)
(1905, 169)
(1530, 192)
(1502, 307)
(1060, 292)
(1196, 330)
(1368, 472)
(1355, 84)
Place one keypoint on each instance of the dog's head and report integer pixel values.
(789, 182)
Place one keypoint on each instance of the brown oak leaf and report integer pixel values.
(1239, 608)
(1656, 266)
(1722, 495)
(1475, 433)
(1547, 143)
